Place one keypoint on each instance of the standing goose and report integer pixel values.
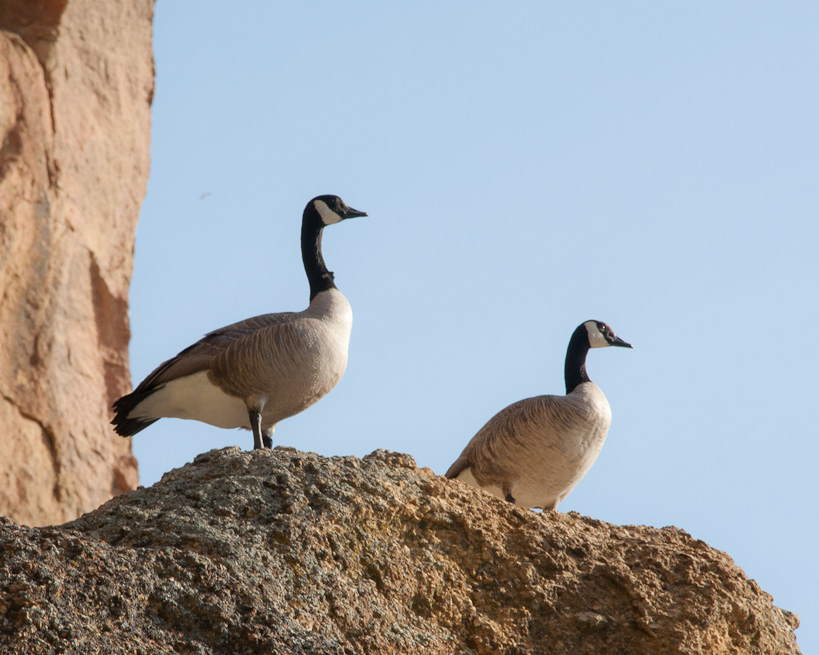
(536, 450)
(254, 373)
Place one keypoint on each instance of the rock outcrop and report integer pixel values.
(76, 83)
(287, 552)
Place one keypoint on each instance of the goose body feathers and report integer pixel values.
(537, 449)
(282, 362)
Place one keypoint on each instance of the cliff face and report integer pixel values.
(288, 552)
(76, 80)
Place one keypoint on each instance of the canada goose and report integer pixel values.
(254, 373)
(536, 450)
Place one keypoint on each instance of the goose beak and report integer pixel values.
(353, 213)
(619, 342)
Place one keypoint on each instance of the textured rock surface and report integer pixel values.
(287, 552)
(76, 80)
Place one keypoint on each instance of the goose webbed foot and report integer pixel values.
(267, 438)
(510, 498)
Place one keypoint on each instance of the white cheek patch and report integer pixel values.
(596, 339)
(328, 216)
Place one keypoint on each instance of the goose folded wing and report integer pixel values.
(201, 355)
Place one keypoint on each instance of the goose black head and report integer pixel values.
(601, 336)
(332, 209)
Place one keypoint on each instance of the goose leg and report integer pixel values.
(256, 426)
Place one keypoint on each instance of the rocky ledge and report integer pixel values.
(288, 552)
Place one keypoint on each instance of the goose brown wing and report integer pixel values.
(201, 355)
(257, 360)
(457, 467)
(505, 433)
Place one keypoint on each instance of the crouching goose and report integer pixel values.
(254, 373)
(536, 450)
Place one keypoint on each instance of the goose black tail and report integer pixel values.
(127, 427)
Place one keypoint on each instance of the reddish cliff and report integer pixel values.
(76, 82)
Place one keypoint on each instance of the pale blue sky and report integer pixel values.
(525, 167)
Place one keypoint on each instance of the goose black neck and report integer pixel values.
(318, 276)
(575, 369)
